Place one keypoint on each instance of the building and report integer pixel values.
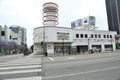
(50, 14)
(118, 42)
(86, 23)
(10, 35)
(61, 40)
(4, 36)
(4, 31)
(19, 35)
(51, 39)
(113, 14)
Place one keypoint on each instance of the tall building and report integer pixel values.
(86, 23)
(21, 34)
(113, 14)
(4, 38)
(4, 31)
(50, 14)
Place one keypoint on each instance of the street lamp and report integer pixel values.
(89, 44)
(63, 45)
(111, 44)
(44, 45)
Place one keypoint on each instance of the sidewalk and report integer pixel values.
(79, 57)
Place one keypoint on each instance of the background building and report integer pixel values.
(113, 13)
(86, 23)
(50, 14)
(4, 32)
(19, 35)
(4, 37)
(11, 38)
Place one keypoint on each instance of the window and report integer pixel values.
(107, 36)
(86, 35)
(91, 35)
(2, 33)
(110, 36)
(10, 37)
(96, 36)
(15, 38)
(77, 35)
(104, 36)
(99, 36)
(81, 35)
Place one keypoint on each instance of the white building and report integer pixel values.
(18, 34)
(60, 40)
(15, 37)
(4, 33)
(14, 33)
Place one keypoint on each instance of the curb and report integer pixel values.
(79, 57)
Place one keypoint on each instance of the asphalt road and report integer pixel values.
(19, 67)
(9, 57)
(104, 68)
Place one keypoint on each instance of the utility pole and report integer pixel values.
(111, 44)
(88, 44)
(63, 45)
(44, 45)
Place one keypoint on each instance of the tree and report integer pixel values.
(7, 46)
(16, 48)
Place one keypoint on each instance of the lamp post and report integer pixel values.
(44, 45)
(63, 45)
(88, 44)
(111, 44)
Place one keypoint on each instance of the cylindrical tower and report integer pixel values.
(50, 14)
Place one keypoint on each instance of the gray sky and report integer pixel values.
(28, 13)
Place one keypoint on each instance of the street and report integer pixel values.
(102, 68)
(19, 67)
(9, 57)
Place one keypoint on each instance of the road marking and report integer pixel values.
(20, 72)
(51, 58)
(28, 78)
(93, 71)
(17, 64)
(20, 67)
(71, 57)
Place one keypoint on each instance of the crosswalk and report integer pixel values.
(25, 68)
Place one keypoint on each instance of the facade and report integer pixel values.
(19, 35)
(86, 23)
(118, 42)
(113, 14)
(50, 14)
(59, 40)
(10, 35)
(4, 36)
(4, 32)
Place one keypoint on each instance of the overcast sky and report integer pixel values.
(28, 13)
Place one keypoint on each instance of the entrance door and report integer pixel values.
(82, 48)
